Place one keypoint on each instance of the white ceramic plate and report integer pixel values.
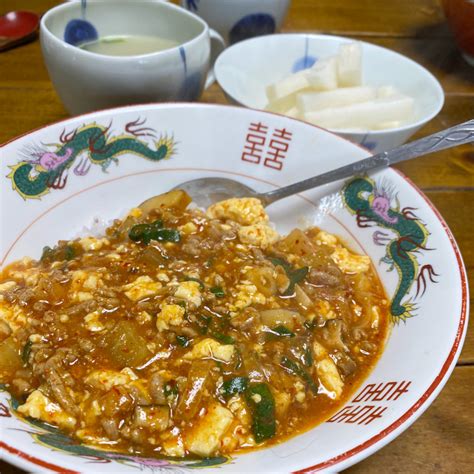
(57, 179)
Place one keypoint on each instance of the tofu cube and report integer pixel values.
(209, 348)
(40, 407)
(205, 436)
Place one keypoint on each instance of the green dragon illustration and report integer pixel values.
(372, 207)
(46, 169)
(53, 438)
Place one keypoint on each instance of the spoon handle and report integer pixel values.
(451, 137)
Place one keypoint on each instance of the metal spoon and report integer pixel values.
(206, 191)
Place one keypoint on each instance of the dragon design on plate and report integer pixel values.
(45, 168)
(53, 438)
(378, 206)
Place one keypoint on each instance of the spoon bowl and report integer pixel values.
(207, 191)
(17, 27)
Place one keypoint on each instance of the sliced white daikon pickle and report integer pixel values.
(314, 101)
(365, 115)
(283, 104)
(323, 75)
(288, 85)
(349, 65)
(293, 112)
(387, 91)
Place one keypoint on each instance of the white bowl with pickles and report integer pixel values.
(300, 337)
(371, 95)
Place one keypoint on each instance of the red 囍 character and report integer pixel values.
(255, 142)
(277, 149)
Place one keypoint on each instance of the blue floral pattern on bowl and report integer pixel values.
(306, 61)
(249, 26)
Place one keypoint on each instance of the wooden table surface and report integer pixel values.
(442, 440)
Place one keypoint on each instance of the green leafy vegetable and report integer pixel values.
(295, 276)
(280, 262)
(308, 357)
(47, 253)
(310, 324)
(262, 405)
(218, 291)
(145, 233)
(295, 369)
(58, 253)
(25, 353)
(140, 233)
(171, 389)
(282, 331)
(218, 336)
(69, 252)
(167, 235)
(183, 341)
(234, 386)
(203, 322)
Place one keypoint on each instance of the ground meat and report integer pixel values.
(21, 386)
(111, 428)
(193, 247)
(327, 276)
(86, 345)
(40, 306)
(52, 374)
(156, 387)
(24, 296)
(83, 308)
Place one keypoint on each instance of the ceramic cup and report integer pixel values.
(87, 81)
(237, 20)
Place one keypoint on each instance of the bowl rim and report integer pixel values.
(376, 442)
(46, 33)
(219, 64)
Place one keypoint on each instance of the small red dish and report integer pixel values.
(17, 27)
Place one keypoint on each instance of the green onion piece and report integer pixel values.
(166, 235)
(47, 253)
(69, 252)
(280, 262)
(295, 369)
(223, 338)
(234, 386)
(140, 233)
(218, 291)
(282, 331)
(171, 389)
(310, 324)
(25, 353)
(183, 341)
(158, 224)
(262, 405)
(295, 276)
(204, 322)
(308, 357)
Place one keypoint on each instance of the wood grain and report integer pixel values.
(379, 18)
(441, 440)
